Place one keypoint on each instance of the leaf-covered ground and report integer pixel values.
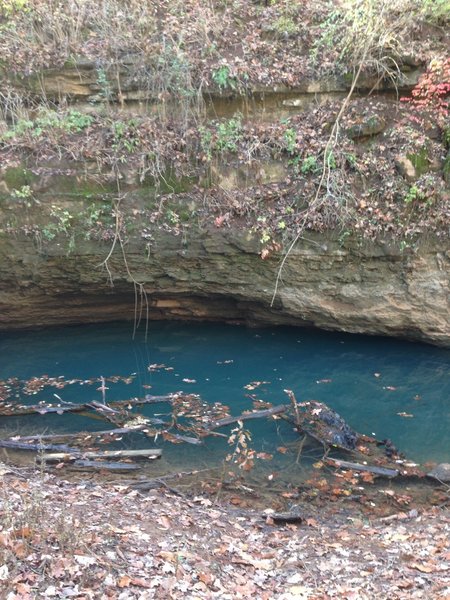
(181, 46)
(83, 540)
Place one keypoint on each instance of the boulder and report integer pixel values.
(441, 472)
(406, 168)
(373, 125)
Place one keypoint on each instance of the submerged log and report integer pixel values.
(98, 465)
(178, 438)
(89, 434)
(382, 471)
(324, 425)
(150, 454)
(11, 410)
(40, 409)
(257, 414)
(17, 445)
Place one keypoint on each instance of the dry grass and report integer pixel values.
(376, 34)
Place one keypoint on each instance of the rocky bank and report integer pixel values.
(213, 274)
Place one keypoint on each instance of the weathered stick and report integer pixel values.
(148, 484)
(343, 464)
(106, 412)
(257, 414)
(62, 456)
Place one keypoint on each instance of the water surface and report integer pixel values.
(383, 387)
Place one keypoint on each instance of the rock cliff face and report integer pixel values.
(219, 275)
(198, 263)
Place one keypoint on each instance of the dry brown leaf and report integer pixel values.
(403, 584)
(206, 578)
(138, 581)
(170, 556)
(165, 522)
(124, 581)
(236, 500)
(22, 588)
(367, 477)
(20, 550)
(424, 567)
(22, 532)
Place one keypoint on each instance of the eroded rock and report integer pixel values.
(441, 472)
(218, 274)
(366, 128)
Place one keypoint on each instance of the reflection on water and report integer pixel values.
(389, 388)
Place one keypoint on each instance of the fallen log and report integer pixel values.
(322, 423)
(10, 410)
(285, 517)
(40, 409)
(344, 464)
(88, 434)
(150, 454)
(15, 445)
(257, 414)
(327, 427)
(117, 467)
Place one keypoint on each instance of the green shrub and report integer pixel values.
(222, 78)
(290, 139)
(9, 7)
(309, 165)
(72, 121)
(228, 134)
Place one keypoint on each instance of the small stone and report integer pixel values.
(367, 127)
(441, 472)
(406, 168)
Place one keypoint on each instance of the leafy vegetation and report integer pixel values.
(221, 77)
(172, 60)
(228, 134)
(46, 121)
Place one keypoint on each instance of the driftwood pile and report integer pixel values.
(78, 449)
(191, 421)
(323, 424)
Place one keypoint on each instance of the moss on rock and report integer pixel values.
(18, 177)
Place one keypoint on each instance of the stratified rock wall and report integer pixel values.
(202, 262)
(219, 275)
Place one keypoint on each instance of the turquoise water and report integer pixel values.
(367, 380)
